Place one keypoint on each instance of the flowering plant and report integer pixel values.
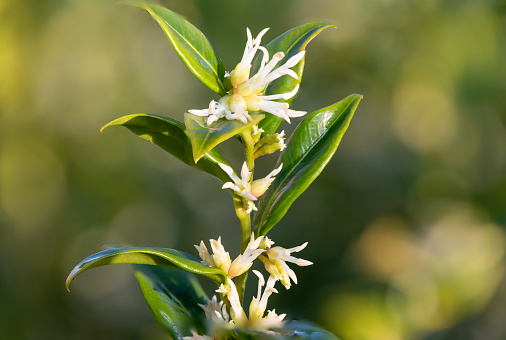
(255, 98)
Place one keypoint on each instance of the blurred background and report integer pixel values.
(406, 225)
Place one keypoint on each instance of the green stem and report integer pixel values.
(244, 218)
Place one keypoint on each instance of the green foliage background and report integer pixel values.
(405, 225)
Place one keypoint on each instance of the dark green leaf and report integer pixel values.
(171, 136)
(308, 150)
(292, 330)
(173, 295)
(290, 43)
(190, 44)
(204, 138)
(154, 256)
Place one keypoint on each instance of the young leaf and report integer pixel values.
(204, 138)
(154, 256)
(174, 296)
(171, 136)
(290, 43)
(190, 44)
(308, 150)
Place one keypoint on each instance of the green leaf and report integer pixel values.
(171, 136)
(292, 330)
(290, 43)
(308, 150)
(204, 138)
(154, 256)
(190, 44)
(173, 295)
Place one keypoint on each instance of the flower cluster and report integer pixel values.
(274, 260)
(247, 93)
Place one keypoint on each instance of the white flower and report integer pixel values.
(241, 186)
(217, 314)
(266, 243)
(272, 320)
(244, 187)
(277, 267)
(259, 305)
(219, 259)
(244, 261)
(230, 291)
(196, 336)
(247, 93)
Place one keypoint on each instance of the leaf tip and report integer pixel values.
(69, 281)
(114, 122)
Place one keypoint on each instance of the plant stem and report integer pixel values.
(244, 218)
(245, 235)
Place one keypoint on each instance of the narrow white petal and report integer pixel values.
(303, 263)
(298, 248)
(294, 114)
(265, 71)
(295, 59)
(245, 174)
(248, 195)
(265, 57)
(211, 119)
(292, 275)
(230, 172)
(230, 185)
(201, 113)
(275, 171)
(273, 96)
(261, 279)
(292, 93)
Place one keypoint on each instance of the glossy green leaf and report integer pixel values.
(173, 295)
(308, 150)
(204, 138)
(290, 43)
(154, 256)
(171, 136)
(190, 44)
(292, 330)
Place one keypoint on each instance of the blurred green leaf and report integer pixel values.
(290, 43)
(173, 295)
(292, 330)
(154, 256)
(308, 150)
(190, 44)
(171, 136)
(204, 138)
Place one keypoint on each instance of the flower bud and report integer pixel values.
(270, 144)
(259, 186)
(240, 74)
